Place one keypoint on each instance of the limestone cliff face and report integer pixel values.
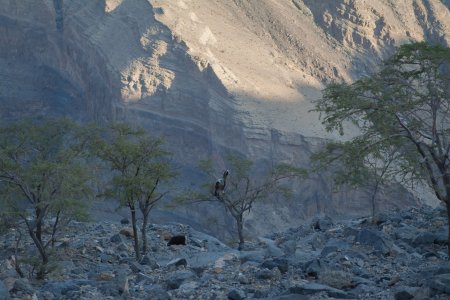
(210, 75)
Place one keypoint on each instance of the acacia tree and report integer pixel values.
(402, 113)
(139, 167)
(244, 187)
(43, 180)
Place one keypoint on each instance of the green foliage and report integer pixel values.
(244, 186)
(139, 167)
(402, 113)
(43, 175)
(138, 163)
(41, 163)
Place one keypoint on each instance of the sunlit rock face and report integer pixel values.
(211, 76)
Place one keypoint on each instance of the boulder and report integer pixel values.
(443, 268)
(122, 284)
(334, 245)
(256, 256)
(156, 292)
(116, 239)
(4, 294)
(406, 233)
(136, 267)
(315, 267)
(322, 223)
(271, 248)
(374, 239)
(177, 262)
(235, 294)
(63, 289)
(147, 260)
(424, 238)
(404, 293)
(23, 285)
(268, 274)
(440, 283)
(177, 278)
(311, 288)
(281, 263)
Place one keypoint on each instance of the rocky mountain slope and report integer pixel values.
(211, 76)
(400, 255)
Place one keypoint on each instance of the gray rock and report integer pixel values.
(23, 285)
(109, 288)
(210, 243)
(64, 288)
(149, 261)
(188, 289)
(244, 279)
(315, 267)
(322, 223)
(440, 283)
(441, 236)
(374, 239)
(261, 293)
(318, 240)
(289, 246)
(156, 292)
(404, 293)
(117, 239)
(289, 297)
(281, 263)
(381, 218)
(122, 284)
(177, 278)
(124, 221)
(425, 238)
(267, 274)
(313, 288)
(271, 248)
(4, 294)
(122, 247)
(334, 245)
(177, 262)
(443, 268)
(141, 277)
(350, 232)
(136, 267)
(235, 294)
(256, 256)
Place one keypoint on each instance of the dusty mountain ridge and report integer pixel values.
(209, 75)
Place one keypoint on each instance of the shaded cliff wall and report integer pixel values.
(211, 77)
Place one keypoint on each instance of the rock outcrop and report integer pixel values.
(209, 76)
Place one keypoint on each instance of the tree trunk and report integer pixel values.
(240, 228)
(42, 268)
(36, 237)
(144, 230)
(135, 233)
(448, 224)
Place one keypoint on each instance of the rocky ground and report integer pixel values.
(399, 255)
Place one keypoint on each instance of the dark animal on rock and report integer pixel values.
(219, 188)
